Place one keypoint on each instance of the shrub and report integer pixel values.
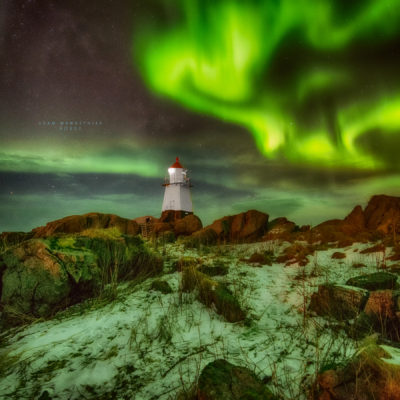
(211, 292)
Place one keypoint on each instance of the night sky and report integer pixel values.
(288, 107)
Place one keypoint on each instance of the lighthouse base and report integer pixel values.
(173, 215)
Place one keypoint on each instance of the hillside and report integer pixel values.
(294, 312)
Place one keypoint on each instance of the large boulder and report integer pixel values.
(34, 281)
(280, 228)
(79, 223)
(371, 374)
(339, 301)
(187, 225)
(381, 304)
(41, 276)
(374, 281)
(383, 214)
(223, 380)
(180, 227)
(244, 227)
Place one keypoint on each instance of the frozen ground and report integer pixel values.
(149, 345)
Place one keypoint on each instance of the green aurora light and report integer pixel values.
(214, 57)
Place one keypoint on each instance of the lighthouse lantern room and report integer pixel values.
(177, 195)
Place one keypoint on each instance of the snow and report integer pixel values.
(394, 354)
(148, 345)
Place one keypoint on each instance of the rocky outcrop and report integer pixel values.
(372, 301)
(280, 228)
(339, 301)
(223, 380)
(383, 214)
(369, 375)
(184, 226)
(244, 227)
(41, 276)
(79, 223)
(381, 305)
(35, 281)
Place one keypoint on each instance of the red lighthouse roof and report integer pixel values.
(176, 164)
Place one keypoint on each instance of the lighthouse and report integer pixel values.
(177, 195)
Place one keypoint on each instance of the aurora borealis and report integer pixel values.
(292, 108)
(217, 57)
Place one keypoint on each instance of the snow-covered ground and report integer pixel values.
(149, 345)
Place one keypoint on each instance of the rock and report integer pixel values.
(187, 225)
(381, 305)
(182, 225)
(146, 219)
(383, 214)
(244, 227)
(281, 228)
(162, 227)
(368, 375)
(339, 301)
(223, 380)
(265, 258)
(296, 253)
(374, 249)
(79, 223)
(330, 378)
(354, 222)
(34, 281)
(337, 255)
(173, 215)
(374, 281)
(42, 276)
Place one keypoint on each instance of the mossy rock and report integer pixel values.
(223, 380)
(375, 281)
(42, 276)
(161, 286)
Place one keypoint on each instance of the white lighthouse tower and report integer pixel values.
(177, 195)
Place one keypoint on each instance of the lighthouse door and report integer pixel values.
(172, 204)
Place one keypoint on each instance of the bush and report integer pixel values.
(211, 292)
